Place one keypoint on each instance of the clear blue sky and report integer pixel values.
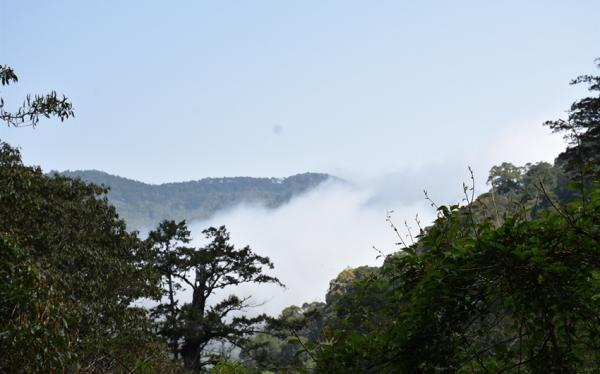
(167, 91)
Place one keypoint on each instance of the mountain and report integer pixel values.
(143, 205)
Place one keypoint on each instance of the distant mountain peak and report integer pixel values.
(143, 205)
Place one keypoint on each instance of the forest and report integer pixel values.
(142, 205)
(508, 281)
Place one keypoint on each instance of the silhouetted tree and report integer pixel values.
(205, 270)
(168, 240)
(582, 130)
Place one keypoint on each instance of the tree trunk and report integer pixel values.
(194, 344)
(173, 318)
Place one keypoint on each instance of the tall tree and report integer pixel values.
(168, 240)
(506, 178)
(582, 130)
(205, 270)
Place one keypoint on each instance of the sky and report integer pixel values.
(393, 96)
(173, 91)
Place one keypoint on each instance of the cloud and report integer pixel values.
(335, 226)
(313, 238)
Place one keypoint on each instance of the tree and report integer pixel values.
(528, 188)
(70, 274)
(506, 178)
(69, 271)
(167, 240)
(281, 347)
(582, 130)
(31, 342)
(517, 294)
(520, 297)
(29, 113)
(205, 270)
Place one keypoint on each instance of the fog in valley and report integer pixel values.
(143, 143)
(318, 234)
(311, 239)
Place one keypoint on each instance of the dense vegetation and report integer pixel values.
(507, 282)
(510, 282)
(70, 273)
(143, 205)
(71, 276)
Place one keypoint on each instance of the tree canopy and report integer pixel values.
(582, 130)
(192, 327)
(71, 273)
(507, 282)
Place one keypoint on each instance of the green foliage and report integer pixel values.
(70, 275)
(521, 296)
(530, 190)
(282, 346)
(36, 317)
(33, 108)
(226, 367)
(69, 271)
(142, 205)
(582, 130)
(506, 177)
(508, 283)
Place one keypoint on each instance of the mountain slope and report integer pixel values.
(144, 205)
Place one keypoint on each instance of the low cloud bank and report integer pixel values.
(317, 235)
(314, 237)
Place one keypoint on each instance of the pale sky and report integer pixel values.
(180, 90)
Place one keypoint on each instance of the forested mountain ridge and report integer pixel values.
(507, 282)
(142, 205)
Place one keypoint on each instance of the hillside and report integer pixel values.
(144, 205)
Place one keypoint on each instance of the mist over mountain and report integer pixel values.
(143, 205)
